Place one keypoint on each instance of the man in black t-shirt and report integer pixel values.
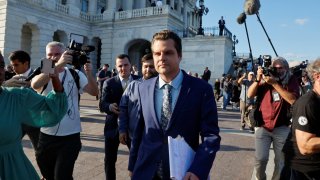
(302, 149)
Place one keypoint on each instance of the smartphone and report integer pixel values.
(47, 66)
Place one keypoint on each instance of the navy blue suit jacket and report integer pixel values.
(111, 93)
(195, 114)
(129, 108)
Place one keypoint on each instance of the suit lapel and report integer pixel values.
(118, 82)
(151, 90)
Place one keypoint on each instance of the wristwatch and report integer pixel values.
(257, 80)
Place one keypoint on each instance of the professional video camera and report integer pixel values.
(267, 69)
(80, 53)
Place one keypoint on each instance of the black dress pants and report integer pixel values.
(57, 155)
(111, 152)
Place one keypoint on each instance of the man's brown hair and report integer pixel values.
(166, 35)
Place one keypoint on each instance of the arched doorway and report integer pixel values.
(29, 42)
(136, 49)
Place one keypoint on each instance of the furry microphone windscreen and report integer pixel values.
(242, 18)
(251, 6)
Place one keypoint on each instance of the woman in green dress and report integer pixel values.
(18, 104)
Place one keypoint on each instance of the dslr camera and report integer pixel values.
(267, 69)
(80, 53)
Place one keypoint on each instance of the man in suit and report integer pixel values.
(221, 26)
(206, 74)
(173, 104)
(129, 105)
(20, 61)
(111, 94)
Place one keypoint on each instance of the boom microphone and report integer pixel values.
(251, 6)
(242, 18)
(35, 72)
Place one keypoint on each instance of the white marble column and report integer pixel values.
(143, 4)
(73, 3)
(172, 4)
(128, 5)
(74, 8)
(93, 7)
(112, 5)
(179, 6)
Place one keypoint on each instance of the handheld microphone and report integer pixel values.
(251, 7)
(35, 72)
(242, 18)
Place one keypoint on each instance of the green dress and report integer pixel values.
(22, 105)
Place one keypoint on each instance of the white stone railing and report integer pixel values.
(149, 11)
(91, 18)
(96, 18)
(84, 16)
(62, 8)
(135, 13)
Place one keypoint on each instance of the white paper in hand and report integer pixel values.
(181, 156)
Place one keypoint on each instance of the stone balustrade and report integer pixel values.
(121, 15)
(62, 8)
(149, 11)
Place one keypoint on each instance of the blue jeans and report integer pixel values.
(263, 140)
(226, 99)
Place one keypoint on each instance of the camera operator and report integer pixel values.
(276, 91)
(59, 145)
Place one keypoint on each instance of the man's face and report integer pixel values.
(19, 67)
(123, 66)
(105, 68)
(148, 70)
(281, 71)
(2, 65)
(250, 77)
(166, 58)
(54, 53)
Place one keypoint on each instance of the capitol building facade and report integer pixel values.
(113, 27)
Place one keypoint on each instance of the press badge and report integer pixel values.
(275, 96)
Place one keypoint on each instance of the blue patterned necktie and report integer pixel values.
(166, 110)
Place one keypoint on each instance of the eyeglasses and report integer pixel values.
(278, 68)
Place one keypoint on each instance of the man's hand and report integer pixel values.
(269, 79)
(130, 173)
(190, 176)
(66, 58)
(123, 137)
(88, 67)
(17, 81)
(114, 108)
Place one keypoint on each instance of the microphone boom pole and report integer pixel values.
(258, 16)
(250, 55)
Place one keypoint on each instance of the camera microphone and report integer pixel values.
(87, 48)
(242, 18)
(35, 72)
(251, 7)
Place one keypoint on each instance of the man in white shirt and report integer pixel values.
(60, 145)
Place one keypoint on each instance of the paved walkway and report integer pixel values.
(234, 161)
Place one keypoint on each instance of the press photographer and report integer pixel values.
(276, 90)
(62, 142)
